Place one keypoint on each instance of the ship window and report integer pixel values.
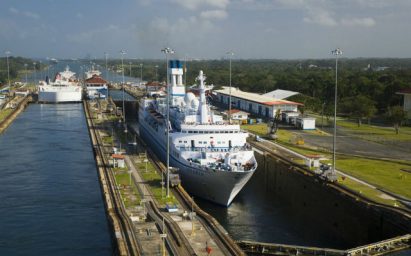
(190, 131)
(218, 142)
(185, 141)
(200, 142)
(180, 141)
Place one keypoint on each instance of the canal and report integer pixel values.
(49, 189)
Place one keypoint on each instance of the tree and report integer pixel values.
(359, 107)
(396, 115)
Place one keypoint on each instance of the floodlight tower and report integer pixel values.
(168, 51)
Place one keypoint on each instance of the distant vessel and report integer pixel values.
(54, 60)
(65, 88)
(92, 72)
(213, 157)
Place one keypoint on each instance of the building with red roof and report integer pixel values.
(254, 103)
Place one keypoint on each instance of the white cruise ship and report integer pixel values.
(92, 72)
(212, 156)
(65, 88)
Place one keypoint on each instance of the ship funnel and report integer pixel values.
(202, 108)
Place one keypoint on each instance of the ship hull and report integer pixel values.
(60, 96)
(219, 187)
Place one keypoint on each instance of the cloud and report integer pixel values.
(196, 4)
(214, 14)
(320, 16)
(14, 10)
(362, 22)
(27, 14)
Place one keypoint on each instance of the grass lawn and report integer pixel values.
(382, 174)
(375, 133)
(153, 180)
(123, 181)
(367, 191)
(4, 113)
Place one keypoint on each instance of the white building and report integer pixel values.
(237, 114)
(305, 123)
(407, 100)
(254, 103)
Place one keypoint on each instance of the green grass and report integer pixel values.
(380, 173)
(123, 181)
(4, 113)
(376, 133)
(153, 179)
(366, 191)
(107, 140)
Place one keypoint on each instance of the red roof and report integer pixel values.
(117, 156)
(282, 102)
(405, 91)
(233, 111)
(95, 79)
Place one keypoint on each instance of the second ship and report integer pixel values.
(212, 156)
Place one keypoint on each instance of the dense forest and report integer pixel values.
(366, 87)
(16, 64)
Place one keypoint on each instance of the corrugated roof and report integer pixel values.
(280, 94)
(269, 101)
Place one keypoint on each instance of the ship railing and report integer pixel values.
(246, 147)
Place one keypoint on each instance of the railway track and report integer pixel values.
(223, 240)
(126, 240)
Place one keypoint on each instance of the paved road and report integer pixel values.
(349, 144)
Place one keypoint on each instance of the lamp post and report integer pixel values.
(337, 52)
(168, 51)
(122, 52)
(106, 55)
(41, 70)
(25, 71)
(229, 98)
(141, 73)
(156, 66)
(8, 67)
(34, 71)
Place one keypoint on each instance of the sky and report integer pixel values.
(279, 29)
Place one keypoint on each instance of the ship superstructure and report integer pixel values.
(64, 88)
(212, 156)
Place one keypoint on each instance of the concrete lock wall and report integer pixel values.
(353, 221)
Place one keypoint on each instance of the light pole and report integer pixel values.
(25, 71)
(168, 51)
(8, 67)
(185, 69)
(34, 71)
(229, 98)
(337, 52)
(41, 70)
(141, 73)
(122, 52)
(106, 55)
(156, 66)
